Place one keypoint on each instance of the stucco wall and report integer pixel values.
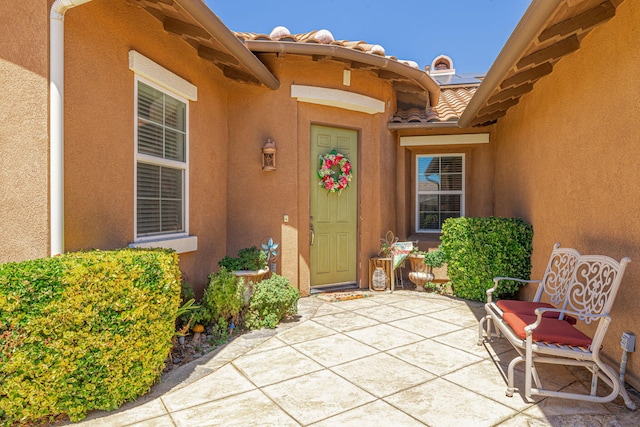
(566, 161)
(478, 171)
(99, 132)
(24, 143)
(258, 200)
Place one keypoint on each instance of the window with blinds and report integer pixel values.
(161, 166)
(439, 190)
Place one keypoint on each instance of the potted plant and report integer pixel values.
(433, 259)
(248, 259)
(419, 273)
(250, 265)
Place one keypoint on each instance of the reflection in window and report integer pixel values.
(439, 190)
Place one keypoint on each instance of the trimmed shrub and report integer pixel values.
(271, 301)
(248, 259)
(222, 301)
(83, 331)
(479, 249)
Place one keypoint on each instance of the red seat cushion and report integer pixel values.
(528, 308)
(550, 330)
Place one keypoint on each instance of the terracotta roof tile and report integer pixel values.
(322, 37)
(453, 101)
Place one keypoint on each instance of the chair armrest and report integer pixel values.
(540, 311)
(496, 280)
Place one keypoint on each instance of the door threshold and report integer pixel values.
(333, 288)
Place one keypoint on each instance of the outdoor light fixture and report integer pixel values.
(269, 155)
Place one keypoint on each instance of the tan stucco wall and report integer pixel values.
(566, 161)
(479, 169)
(99, 132)
(24, 144)
(258, 200)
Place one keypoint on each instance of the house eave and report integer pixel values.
(531, 24)
(548, 31)
(193, 21)
(403, 71)
(424, 126)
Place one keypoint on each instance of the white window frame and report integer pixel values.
(417, 194)
(157, 77)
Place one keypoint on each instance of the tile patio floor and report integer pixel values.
(396, 359)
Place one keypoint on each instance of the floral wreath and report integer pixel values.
(326, 175)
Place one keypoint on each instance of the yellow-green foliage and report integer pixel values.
(82, 331)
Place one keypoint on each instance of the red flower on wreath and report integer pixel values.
(326, 174)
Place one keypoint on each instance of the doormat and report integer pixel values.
(343, 296)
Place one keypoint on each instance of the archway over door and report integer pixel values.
(334, 216)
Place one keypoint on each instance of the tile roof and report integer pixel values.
(281, 33)
(453, 101)
(321, 45)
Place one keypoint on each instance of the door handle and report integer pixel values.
(312, 232)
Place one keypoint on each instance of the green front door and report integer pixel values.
(333, 222)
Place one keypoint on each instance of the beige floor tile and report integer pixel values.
(217, 385)
(275, 365)
(448, 301)
(579, 420)
(327, 308)
(376, 414)
(317, 396)
(462, 316)
(248, 409)
(520, 420)
(388, 297)
(489, 380)
(467, 339)
(427, 327)
(345, 321)
(270, 344)
(434, 357)
(419, 306)
(306, 331)
(441, 403)
(384, 337)
(164, 421)
(150, 410)
(385, 313)
(382, 374)
(552, 406)
(358, 303)
(334, 350)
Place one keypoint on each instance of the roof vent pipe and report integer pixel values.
(56, 120)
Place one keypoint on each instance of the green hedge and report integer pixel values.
(83, 331)
(479, 249)
(272, 300)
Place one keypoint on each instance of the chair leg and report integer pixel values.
(510, 375)
(483, 321)
(608, 375)
(528, 367)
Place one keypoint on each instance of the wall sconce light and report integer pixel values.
(269, 155)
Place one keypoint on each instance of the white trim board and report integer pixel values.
(145, 67)
(464, 138)
(179, 244)
(337, 98)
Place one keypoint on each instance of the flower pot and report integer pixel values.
(248, 277)
(420, 272)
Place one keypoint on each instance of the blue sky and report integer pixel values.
(471, 32)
